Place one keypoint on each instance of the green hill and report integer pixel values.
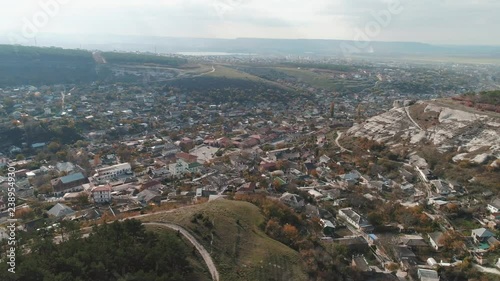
(21, 65)
(241, 250)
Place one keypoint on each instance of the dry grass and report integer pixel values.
(241, 250)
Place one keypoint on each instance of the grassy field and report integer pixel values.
(435, 59)
(324, 81)
(241, 250)
(227, 72)
(222, 71)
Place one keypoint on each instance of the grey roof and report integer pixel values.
(496, 203)
(38, 145)
(60, 210)
(65, 166)
(427, 274)
(72, 178)
(413, 241)
(351, 176)
(327, 223)
(492, 241)
(361, 263)
(482, 232)
(403, 252)
(436, 237)
(147, 195)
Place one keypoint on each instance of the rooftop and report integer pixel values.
(72, 178)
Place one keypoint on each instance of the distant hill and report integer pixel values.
(242, 251)
(131, 58)
(261, 46)
(20, 65)
(23, 65)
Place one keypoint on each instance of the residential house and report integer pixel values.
(355, 219)
(204, 192)
(102, 194)
(292, 200)
(60, 210)
(360, 263)
(267, 166)
(67, 167)
(351, 178)
(328, 227)
(311, 211)
(185, 163)
(494, 206)
(111, 172)
(441, 187)
(427, 275)
(405, 256)
(170, 149)
(354, 244)
(69, 183)
(435, 238)
(249, 143)
(324, 159)
(310, 167)
(246, 188)
(186, 144)
(151, 185)
(481, 235)
(148, 197)
(414, 242)
(316, 194)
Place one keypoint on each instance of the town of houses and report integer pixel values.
(136, 156)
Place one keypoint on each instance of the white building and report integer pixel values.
(355, 219)
(427, 275)
(494, 207)
(111, 172)
(102, 194)
(181, 167)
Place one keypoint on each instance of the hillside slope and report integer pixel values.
(473, 134)
(242, 251)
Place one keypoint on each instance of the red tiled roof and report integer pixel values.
(186, 156)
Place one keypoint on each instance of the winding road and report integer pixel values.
(203, 252)
(411, 119)
(339, 135)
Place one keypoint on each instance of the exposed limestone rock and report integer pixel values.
(457, 130)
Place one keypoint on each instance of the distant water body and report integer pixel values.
(201, 54)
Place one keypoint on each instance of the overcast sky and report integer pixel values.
(469, 22)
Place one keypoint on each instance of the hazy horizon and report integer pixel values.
(445, 22)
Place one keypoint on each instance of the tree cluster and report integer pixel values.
(117, 251)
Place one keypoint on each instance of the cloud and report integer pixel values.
(435, 21)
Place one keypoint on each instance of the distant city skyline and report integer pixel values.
(459, 22)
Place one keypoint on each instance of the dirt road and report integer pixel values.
(203, 252)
